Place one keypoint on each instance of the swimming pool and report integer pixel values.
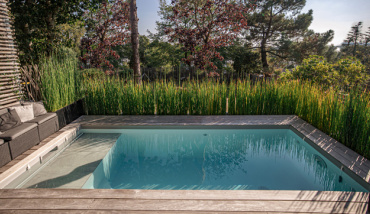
(217, 159)
(198, 158)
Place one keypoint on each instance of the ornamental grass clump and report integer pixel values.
(59, 79)
(345, 117)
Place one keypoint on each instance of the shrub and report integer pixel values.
(316, 69)
(351, 73)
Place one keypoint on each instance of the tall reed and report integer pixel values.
(345, 118)
(58, 79)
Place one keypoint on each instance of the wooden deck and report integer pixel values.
(179, 201)
(185, 201)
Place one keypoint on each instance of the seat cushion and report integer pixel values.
(43, 118)
(1, 141)
(17, 131)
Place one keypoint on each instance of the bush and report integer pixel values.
(345, 74)
(351, 73)
(316, 69)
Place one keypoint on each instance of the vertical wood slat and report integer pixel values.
(10, 88)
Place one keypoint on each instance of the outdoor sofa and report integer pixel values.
(22, 127)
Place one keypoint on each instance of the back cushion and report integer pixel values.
(9, 120)
(38, 108)
(24, 112)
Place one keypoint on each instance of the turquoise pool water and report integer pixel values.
(217, 159)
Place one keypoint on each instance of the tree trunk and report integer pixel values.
(265, 65)
(50, 24)
(135, 42)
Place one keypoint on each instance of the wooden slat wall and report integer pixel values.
(10, 88)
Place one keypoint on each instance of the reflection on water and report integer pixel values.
(217, 159)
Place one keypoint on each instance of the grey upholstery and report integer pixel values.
(3, 111)
(17, 131)
(24, 141)
(38, 108)
(43, 118)
(5, 156)
(1, 141)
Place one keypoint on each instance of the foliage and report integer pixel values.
(345, 74)
(351, 73)
(162, 54)
(316, 69)
(310, 43)
(201, 27)
(59, 79)
(70, 35)
(107, 27)
(92, 73)
(274, 21)
(36, 21)
(357, 45)
(245, 60)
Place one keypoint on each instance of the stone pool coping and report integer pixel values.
(349, 161)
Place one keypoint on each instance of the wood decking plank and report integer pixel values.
(120, 212)
(182, 205)
(268, 195)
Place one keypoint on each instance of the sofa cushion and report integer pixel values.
(3, 111)
(9, 120)
(25, 112)
(38, 108)
(17, 131)
(1, 142)
(43, 118)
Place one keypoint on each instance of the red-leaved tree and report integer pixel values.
(203, 26)
(107, 27)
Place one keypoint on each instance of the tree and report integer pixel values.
(354, 36)
(36, 21)
(309, 43)
(70, 35)
(108, 27)
(356, 45)
(203, 26)
(160, 54)
(242, 59)
(135, 41)
(273, 21)
(367, 38)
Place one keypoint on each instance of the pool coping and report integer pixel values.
(339, 154)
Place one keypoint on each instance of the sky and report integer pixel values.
(338, 15)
